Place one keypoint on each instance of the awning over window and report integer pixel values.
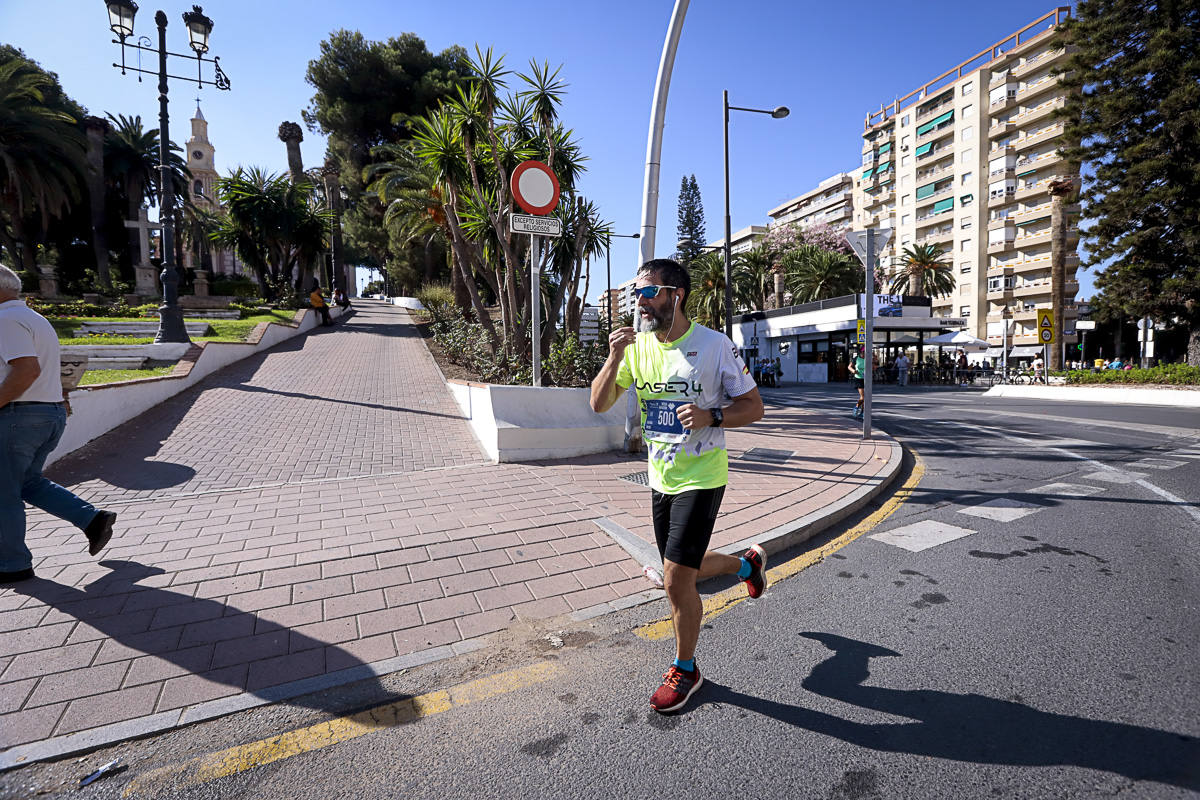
(933, 123)
(867, 173)
(966, 198)
(926, 190)
(943, 205)
(882, 168)
(883, 148)
(923, 149)
(1026, 172)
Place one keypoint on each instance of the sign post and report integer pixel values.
(866, 244)
(535, 188)
(1045, 319)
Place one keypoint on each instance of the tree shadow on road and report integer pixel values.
(210, 640)
(971, 727)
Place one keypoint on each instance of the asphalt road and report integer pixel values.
(1023, 625)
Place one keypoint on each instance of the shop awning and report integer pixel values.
(923, 149)
(994, 352)
(1025, 351)
(943, 205)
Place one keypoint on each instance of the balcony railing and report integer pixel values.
(999, 78)
(933, 110)
(933, 173)
(934, 133)
(1043, 57)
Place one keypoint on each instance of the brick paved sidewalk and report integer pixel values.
(321, 513)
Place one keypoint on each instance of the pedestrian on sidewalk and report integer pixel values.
(317, 301)
(691, 384)
(33, 415)
(858, 368)
(902, 365)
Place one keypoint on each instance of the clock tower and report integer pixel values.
(203, 194)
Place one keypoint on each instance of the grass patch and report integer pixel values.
(93, 377)
(224, 330)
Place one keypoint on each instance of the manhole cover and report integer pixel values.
(767, 455)
(640, 478)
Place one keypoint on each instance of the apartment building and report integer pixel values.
(742, 240)
(831, 203)
(964, 163)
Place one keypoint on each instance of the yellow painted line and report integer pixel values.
(323, 734)
(719, 603)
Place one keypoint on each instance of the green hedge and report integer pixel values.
(1166, 374)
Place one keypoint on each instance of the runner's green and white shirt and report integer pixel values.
(701, 367)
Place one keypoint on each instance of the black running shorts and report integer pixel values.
(683, 523)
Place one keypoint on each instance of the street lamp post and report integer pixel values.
(1005, 316)
(120, 22)
(608, 271)
(777, 113)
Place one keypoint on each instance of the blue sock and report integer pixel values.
(745, 569)
(686, 666)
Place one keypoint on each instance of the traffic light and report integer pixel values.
(1079, 347)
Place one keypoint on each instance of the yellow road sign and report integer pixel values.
(1045, 319)
(862, 331)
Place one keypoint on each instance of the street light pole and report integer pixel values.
(608, 271)
(121, 15)
(778, 113)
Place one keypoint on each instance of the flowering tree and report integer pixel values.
(782, 239)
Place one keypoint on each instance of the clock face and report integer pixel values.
(197, 154)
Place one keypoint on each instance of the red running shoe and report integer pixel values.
(677, 687)
(756, 584)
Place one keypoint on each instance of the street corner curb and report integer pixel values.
(801, 530)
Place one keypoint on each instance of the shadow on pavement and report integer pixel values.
(971, 727)
(206, 638)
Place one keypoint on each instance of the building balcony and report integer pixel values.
(1041, 188)
(1032, 239)
(999, 247)
(999, 295)
(1028, 214)
(999, 199)
(938, 237)
(1004, 103)
(875, 198)
(932, 135)
(946, 214)
(933, 111)
(1041, 263)
(1039, 86)
(998, 78)
(1001, 149)
(926, 175)
(1037, 137)
(996, 224)
(1002, 128)
(1041, 111)
(1033, 62)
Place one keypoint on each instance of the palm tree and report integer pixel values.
(1060, 190)
(274, 225)
(42, 159)
(753, 278)
(923, 273)
(812, 273)
(706, 302)
(413, 201)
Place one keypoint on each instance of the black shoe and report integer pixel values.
(99, 531)
(18, 575)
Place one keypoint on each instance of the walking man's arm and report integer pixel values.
(22, 372)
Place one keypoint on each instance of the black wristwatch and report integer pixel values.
(718, 417)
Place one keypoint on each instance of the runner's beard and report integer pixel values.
(656, 321)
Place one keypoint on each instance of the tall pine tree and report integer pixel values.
(1135, 109)
(690, 228)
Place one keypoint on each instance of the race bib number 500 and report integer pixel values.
(662, 421)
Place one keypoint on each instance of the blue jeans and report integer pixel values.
(28, 434)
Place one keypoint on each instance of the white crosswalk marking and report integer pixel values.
(1002, 509)
(1114, 476)
(922, 535)
(1158, 463)
(1067, 490)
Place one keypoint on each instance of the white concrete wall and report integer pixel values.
(406, 302)
(1125, 395)
(524, 423)
(98, 409)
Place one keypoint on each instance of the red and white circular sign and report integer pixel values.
(535, 187)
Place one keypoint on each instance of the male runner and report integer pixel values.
(691, 384)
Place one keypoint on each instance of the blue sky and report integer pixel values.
(831, 63)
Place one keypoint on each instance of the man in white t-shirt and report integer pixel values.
(902, 365)
(32, 419)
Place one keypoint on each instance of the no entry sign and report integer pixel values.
(534, 187)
